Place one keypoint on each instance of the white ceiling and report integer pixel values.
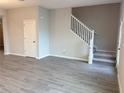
(51, 4)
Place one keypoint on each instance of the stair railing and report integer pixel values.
(86, 34)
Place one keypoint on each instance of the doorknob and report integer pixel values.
(119, 48)
(34, 41)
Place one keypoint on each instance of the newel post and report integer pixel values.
(90, 61)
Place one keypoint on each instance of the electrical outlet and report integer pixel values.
(64, 51)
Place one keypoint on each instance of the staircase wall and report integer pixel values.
(104, 19)
(63, 42)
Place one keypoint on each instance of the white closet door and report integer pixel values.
(30, 39)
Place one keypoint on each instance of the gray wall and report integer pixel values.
(104, 20)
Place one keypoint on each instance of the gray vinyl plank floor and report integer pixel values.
(55, 75)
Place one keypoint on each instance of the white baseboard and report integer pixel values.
(120, 87)
(15, 54)
(6, 53)
(43, 56)
(26, 56)
(86, 60)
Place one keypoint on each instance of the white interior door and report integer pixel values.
(30, 41)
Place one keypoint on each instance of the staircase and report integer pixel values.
(86, 34)
(107, 57)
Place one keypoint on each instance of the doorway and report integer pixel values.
(1, 36)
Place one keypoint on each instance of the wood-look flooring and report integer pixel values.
(55, 75)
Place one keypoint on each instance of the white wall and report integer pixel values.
(121, 63)
(2, 12)
(15, 18)
(53, 31)
(43, 32)
(62, 41)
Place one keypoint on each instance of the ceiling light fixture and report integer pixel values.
(21, 0)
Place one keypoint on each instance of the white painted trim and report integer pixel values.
(19, 55)
(42, 57)
(6, 53)
(90, 61)
(81, 59)
(120, 87)
(67, 57)
(5, 31)
(27, 56)
(15, 54)
(86, 60)
(106, 51)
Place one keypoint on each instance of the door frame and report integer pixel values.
(36, 56)
(5, 32)
(119, 42)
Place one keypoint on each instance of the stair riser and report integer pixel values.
(104, 61)
(105, 57)
(100, 52)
